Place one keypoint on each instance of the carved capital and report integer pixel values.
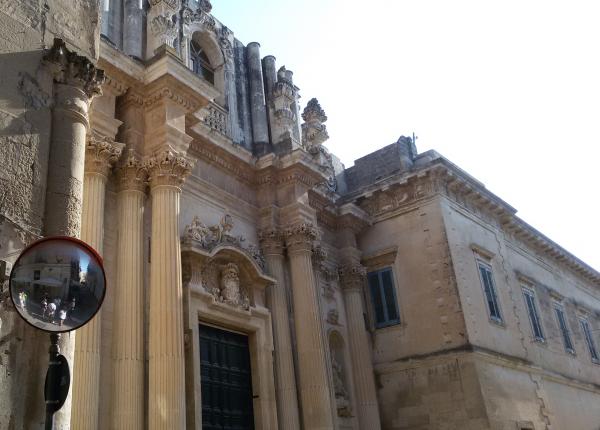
(101, 153)
(75, 70)
(352, 277)
(271, 241)
(132, 174)
(319, 255)
(168, 168)
(300, 237)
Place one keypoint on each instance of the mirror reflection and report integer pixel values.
(57, 285)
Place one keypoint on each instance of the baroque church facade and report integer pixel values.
(254, 282)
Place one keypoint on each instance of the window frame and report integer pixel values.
(388, 322)
(200, 66)
(588, 338)
(566, 333)
(529, 292)
(496, 300)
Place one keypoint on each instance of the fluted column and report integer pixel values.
(166, 409)
(352, 279)
(314, 389)
(100, 153)
(285, 381)
(127, 395)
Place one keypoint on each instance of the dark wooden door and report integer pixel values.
(226, 380)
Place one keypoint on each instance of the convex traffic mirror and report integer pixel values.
(58, 284)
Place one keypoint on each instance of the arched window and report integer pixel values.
(200, 63)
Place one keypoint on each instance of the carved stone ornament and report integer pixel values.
(164, 27)
(132, 174)
(271, 241)
(333, 317)
(352, 276)
(167, 168)
(339, 387)
(69, 68)
(197, 233)
(300, 237)
(100, 153)
(223, 283)
(314, 131)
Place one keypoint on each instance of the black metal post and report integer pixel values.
(53, 352)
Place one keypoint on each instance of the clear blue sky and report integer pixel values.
(509, 91)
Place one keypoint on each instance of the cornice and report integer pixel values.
(216, 156)
(442, 178)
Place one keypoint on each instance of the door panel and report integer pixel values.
(225, 380)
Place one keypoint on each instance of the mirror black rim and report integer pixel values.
(79, 242)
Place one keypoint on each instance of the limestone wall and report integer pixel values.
(427, 297)
(27, 27)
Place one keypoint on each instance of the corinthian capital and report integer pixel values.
(168, 168)
(352, 276)
(71, 69)
(132, 174)
(101, 152)
(271, 241)
(300, 237)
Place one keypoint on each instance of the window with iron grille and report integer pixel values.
(489, 291)
(383, 298)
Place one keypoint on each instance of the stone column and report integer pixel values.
(352, 280)
(258, 109)
(285, 380)
(100, 153)
(127, 394)
(77, 81)
(166, 409)
(312, 367)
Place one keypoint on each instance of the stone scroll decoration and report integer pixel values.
(208, 238)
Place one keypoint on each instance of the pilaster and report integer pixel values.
(272, 244)
(313, 380)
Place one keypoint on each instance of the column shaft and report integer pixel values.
(166, 359)
(285, 381)
(128, 319)
(86, 368)
(362, 365)
(314, 388)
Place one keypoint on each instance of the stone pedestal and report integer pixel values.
(285, 381)
(166, 409)
(100, 154)
(313, 379)
(127, 394)
(352, 279)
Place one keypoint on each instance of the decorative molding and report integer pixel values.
(167, 168)
(69, 68)
(101, 152)
(352, 277)
(167, 93)
(271, 241)
(482, 252)
(380, 258)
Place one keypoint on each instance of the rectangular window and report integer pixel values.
(534, 316)
(36, 275)
(383, 297)
(589, 340)
(487, 282)
(564, 329)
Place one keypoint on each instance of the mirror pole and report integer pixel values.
(53, 352)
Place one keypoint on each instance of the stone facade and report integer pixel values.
(386, 295)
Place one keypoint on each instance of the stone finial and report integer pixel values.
(69, 68)
(314, 132)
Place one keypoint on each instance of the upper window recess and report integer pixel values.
(200, 64)
(564, 328)
(589, 340)
(383, 297)
(489, 290)
(534, 315)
